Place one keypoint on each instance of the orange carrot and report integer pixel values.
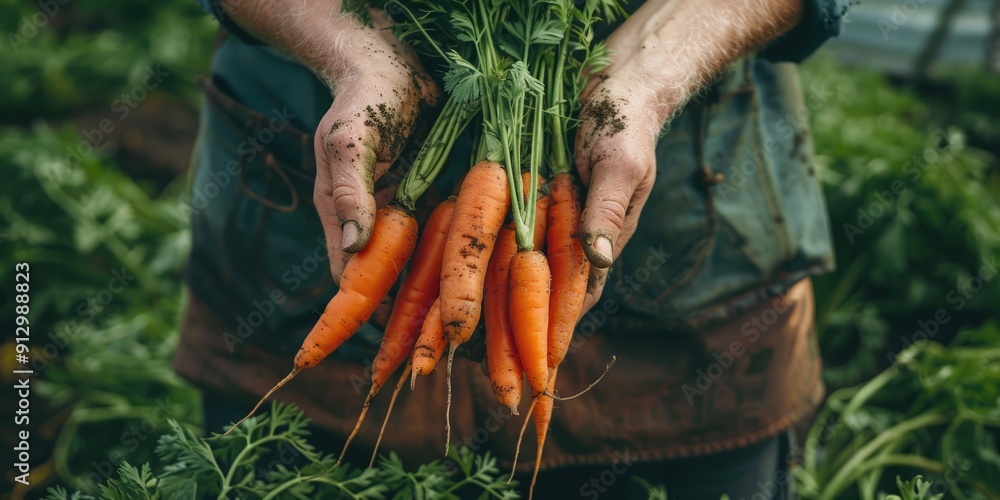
(529, 317)
(529, 314)
(501, 354)
(570, 271)
(482, 204)
(430, 344)
(570, 267)
(541, 216)
(417, 293)
(367, 279)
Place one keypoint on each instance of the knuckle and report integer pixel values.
(632, 167)
(607, 215)
(341, 144)
(346, 198)
(322, 195)
(431, 91)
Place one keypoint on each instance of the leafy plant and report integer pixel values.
(914, 216)
(935, 412)
(914, 489)
(89, 52)
(236, 466)
(655, 491)
(105, 260)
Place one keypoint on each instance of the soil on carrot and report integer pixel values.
(501, 390)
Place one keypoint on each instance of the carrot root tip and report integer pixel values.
(295, 371)
(588, 388)
(517, 448)
(447, 415)
(388, 412)
(357, 427)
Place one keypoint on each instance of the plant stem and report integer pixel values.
(318, 478)
(228, 479)
(420, 26)
(558, 154)
(869, 389)
(526, 242)
(853, 467)
(452, 121)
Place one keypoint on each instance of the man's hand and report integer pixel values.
(615, 158)
(379, 88)
(663, 54)
(377, 103)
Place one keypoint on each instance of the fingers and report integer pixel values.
(385, 194)
(345, 174)
(619, 187)
(595, 286)
(381, 315)
(333, 233)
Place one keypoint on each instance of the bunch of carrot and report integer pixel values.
(506, 249)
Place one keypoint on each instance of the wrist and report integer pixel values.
(650, 76)
(655, 91)
(348, 55)
(670, 92)
(317, 34)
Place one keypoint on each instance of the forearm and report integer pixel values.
(679, 46)
(315, 32)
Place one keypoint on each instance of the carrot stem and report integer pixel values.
(559, 153)
(453, 120)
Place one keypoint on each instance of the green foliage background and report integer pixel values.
(104, 376)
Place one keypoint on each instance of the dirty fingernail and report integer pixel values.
(349, 234)
(602, 247)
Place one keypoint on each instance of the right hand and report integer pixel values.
(615, 157)
(620, 121)
(380, 91)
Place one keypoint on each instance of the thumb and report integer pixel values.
(613, 185)
(345, 172)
